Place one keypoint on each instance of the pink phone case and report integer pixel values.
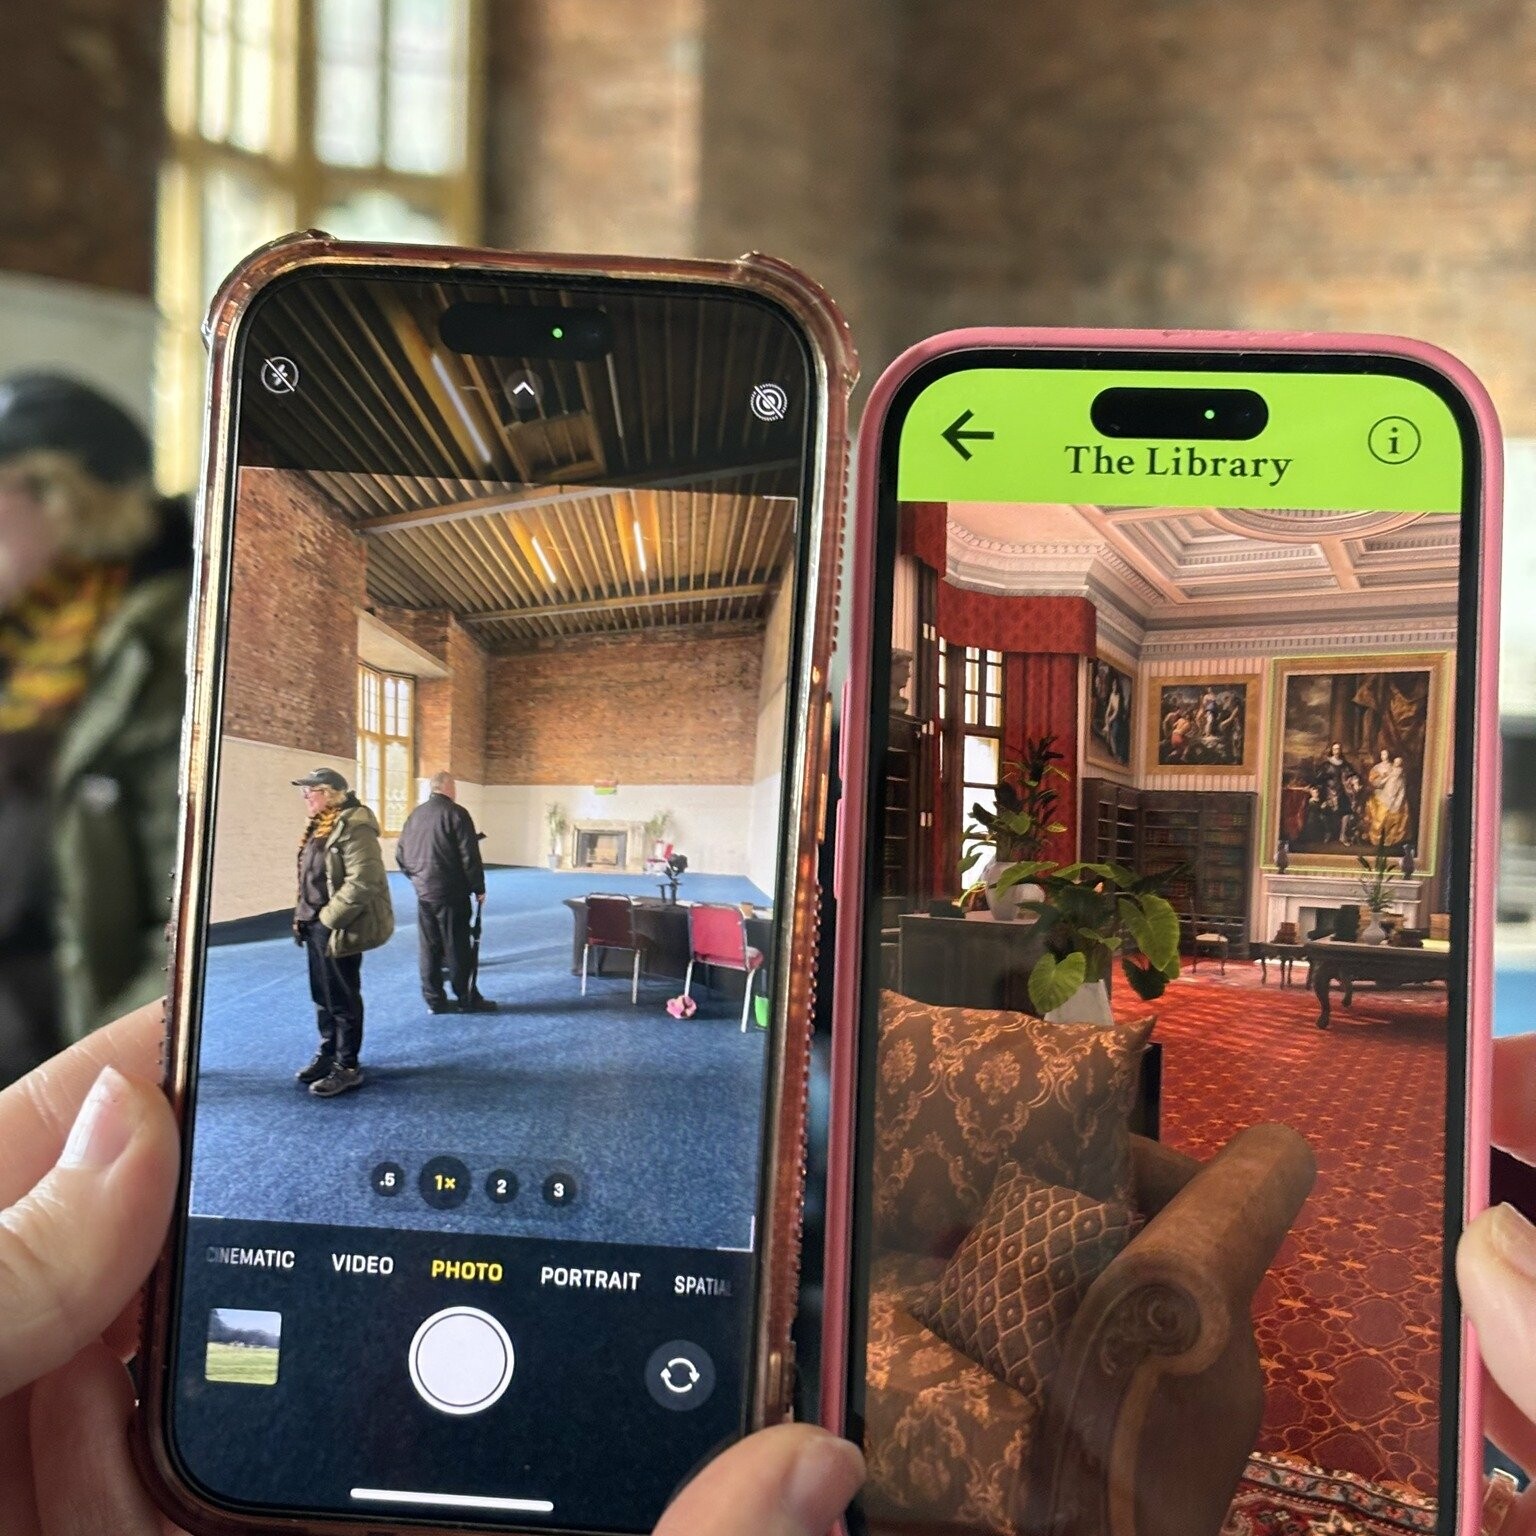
(850, 831)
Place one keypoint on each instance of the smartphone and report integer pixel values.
(490, 988)
(1165, 875)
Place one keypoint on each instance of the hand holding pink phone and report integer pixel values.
(1163, 1009)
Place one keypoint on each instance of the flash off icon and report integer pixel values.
(1394, 440)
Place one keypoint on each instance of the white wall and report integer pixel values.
(710, 822)
(106, 339)
(258, 820)
(470, 796)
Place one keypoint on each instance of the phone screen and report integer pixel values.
(1166, 918)
(491, 945)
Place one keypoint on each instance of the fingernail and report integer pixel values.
(1514, 1238)
(103, 1128)
(826, 1475)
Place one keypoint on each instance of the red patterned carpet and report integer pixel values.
(1348, 1318)
(1281, 1496)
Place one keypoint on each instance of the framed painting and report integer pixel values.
(1358, 754)
(1111, 701)
(1203, 724)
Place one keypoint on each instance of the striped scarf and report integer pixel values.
(46, 638)
(319, 826)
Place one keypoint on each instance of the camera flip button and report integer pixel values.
(680, 1376)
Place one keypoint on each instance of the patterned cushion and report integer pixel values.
(946, 1441)
(1009, 1294)
(963, 1089)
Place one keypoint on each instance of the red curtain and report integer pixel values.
(1041, 640)
(1040, 694)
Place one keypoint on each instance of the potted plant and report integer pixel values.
(1015, 830)
(1091, 916)
(655, 829)
(1373, 892)
(558, 823)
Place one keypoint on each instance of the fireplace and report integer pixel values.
(1302, 898)
(597, 843)
(601, 850)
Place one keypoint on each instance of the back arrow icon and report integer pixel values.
(956, 438)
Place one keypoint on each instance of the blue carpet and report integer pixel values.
(1514, 1000)
(656, 1118)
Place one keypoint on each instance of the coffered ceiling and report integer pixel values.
(1200, 566)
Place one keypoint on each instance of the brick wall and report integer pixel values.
(592, 125)
(798, 134)
(298, 583)
(1210, 164)
(469, 667)
(663, 710)
(80, 121)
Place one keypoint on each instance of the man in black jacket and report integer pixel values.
(439, 850)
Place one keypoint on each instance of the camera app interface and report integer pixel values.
(1167, 936)
(493, 902)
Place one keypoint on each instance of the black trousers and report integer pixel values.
(442, 941)
(337, 988)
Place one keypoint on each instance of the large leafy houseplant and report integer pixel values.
(1094, 914)
(1024, 816)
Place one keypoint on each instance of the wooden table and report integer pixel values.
(1284, 955)
(665, 924)
(1385, 966)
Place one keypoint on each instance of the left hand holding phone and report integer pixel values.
(86, 1188)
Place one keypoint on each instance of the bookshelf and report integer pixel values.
(1154, 829)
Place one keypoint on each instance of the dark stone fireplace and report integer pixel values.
(599, 849)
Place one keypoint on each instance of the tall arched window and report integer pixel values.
(360, 117)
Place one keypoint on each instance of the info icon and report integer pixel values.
(1394, 440)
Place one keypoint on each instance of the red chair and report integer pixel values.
(611, 925)
(717, 935)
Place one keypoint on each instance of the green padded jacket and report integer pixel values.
(359, 914)
(116, 808)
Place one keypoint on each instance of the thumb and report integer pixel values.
(1496, 1271)
(76, 1248)
(792, 1480)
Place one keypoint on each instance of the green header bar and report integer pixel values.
(1334, 443)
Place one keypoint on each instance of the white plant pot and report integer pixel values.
(1004, 905)
(1373, 932)
(1088, 1005)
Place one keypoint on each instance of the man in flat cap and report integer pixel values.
(343, 910)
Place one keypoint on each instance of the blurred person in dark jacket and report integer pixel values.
(439, 851)
(94, 585)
